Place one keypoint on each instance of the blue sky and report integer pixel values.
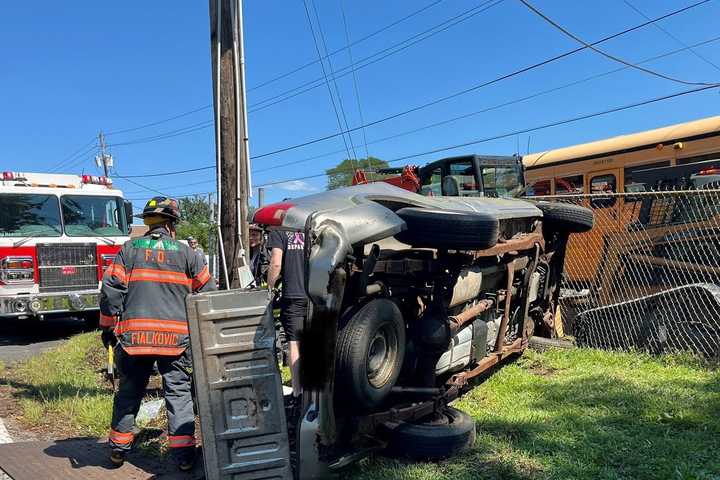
(71, 69)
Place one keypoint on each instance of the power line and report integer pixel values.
(347, 46)
(334, 81)
(383, 53)
(165, 135)
(355, 80)
(159, 122)
(84, 149)
(604, 53)
(674, 37)
(327, 82)
(319, 82)
(518, 132)
(286, 74)
(449, 120)
(493, 107)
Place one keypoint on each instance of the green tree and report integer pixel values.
(195, 220)
(341, 175)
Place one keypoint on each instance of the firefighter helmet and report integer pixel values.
(162, 206)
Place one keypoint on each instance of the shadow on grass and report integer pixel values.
(598, 427)
(589, 427)
(55, 391)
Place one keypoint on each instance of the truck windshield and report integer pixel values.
(29, 215)
(86, 215)
(502, 180)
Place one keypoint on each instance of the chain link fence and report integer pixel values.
(647, 276)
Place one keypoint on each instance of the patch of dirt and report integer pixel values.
(10, 412)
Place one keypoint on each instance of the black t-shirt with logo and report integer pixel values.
(293, 264)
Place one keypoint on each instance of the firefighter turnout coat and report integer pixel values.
(143, 294)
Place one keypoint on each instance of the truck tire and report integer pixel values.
(371, 349)
(566, 217)
(447, 434)
(450, 229)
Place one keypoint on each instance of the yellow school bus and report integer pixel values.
(607, 166)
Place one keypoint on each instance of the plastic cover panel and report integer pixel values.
(238, 386)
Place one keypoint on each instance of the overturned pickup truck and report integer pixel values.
(413, 299)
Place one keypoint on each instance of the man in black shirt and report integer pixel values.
(287, 258)
(259, 261)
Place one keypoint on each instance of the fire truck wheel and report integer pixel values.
(449, 229)
(370, 353)
(566, 217)
(441, 436)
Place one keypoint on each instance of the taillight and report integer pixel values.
(106, 260)
(17, 270)
(272, 214)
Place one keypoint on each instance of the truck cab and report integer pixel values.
(461, 176)
(58, 233)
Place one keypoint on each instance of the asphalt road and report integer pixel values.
(22, 339)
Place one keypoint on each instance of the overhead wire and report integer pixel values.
(491, 108)
(77, 153)
(356, 88)
(472, 88)
(673, 36)
(334, 81)
(347, 46)
(605, 54)
(380, 55)
(327, 81)
(483, 84)
(287, 73)
(449, 120)
(517, 132)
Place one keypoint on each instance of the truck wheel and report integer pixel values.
(449, 229)
(446, 434)
(371, 349)
(566, 217)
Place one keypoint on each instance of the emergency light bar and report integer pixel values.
(91, 179)
(8, 176)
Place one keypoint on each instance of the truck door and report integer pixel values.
(238, 386)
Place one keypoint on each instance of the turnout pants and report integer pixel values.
(135, 371)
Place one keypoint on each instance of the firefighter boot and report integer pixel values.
(117, 457)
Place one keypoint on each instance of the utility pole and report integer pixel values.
(104, 158)
(231, 140)
(261, 197)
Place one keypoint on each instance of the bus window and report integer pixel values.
(631, 186)
(541, 187)
(603, 184)
(569, 185)
(431, 184)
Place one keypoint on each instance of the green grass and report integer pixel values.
(553, 415)
(584, 414)
(63, 389)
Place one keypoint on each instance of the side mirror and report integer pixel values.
(128, 213)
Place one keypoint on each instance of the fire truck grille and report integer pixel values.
(67, 266)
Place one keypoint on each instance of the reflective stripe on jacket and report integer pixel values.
(143, 293)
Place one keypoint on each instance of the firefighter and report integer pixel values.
(259, 258)
(142, 308)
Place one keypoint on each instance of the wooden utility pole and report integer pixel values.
(233, 181)
(104, 159)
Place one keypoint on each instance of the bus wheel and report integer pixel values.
(565, 217)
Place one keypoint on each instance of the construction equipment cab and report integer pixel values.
(463, 176)
(58, 233)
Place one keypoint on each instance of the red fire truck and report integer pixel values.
(58, 233)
